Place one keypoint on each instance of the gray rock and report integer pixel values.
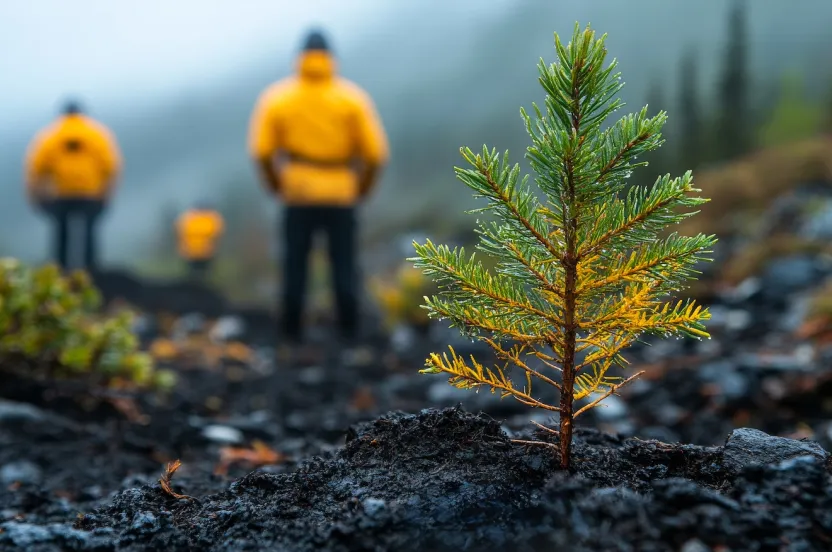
(733, 385)
(611, 408)
(227, 328)
(728, 318)
(819, 224)
(797, 461)
(23, 534)
(661, 349)
(746, 290)
(795, 314)
(747, 446)
(402, 338)
(22, 471)
(788, 274)
(187, 325)
(442, 393)
(737, 320)
(312, 375)
(222, 434)
(143, 520)
(263, 362)
(14, 411)
(373, 506)
(695, 545)
(801, 359)
(716, 370)
(144, 326)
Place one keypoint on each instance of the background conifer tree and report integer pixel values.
(580, 274)
(734, 125)
(659, 160)
(691, 152)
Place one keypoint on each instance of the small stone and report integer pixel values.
(788, 274)
(14, 411)
(819, 224)
(795, 314)
(402, 338)
(611, 408)
(737, 320)
(312, 375)
(373, 506)
(695, 545)
(747, 446)
(746, 290)
(23, 535)
(733, 385)
(22, 471)
(442, 393)
(143, 520)
(227, 328)
(716, 370)
(660, 350)
(222, 434)
(669, 414)
(801, 359)
(792, 463)
(188, 325)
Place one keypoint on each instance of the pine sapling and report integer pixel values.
(583, 269)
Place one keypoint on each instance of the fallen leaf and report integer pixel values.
(363, 399)
(238, 352)
(164, 349)
(260, 454)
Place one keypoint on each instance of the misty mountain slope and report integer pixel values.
(442, 78)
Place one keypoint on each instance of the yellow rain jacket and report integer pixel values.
(321, 123)
(198, 232)
(75, 157)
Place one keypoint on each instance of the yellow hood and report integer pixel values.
(316, 65)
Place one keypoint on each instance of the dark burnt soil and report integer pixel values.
(449, 480)
(79, 468)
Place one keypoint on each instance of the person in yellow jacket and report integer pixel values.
(198, 230)
(71, 169)
(319, 145)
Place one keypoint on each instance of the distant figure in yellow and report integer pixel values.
(71, 170)
(198, 230)
(319, 145)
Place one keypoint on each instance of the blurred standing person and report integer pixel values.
(71, 169)
(198, 229)
(319, 145)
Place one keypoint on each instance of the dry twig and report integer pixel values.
(164, 481)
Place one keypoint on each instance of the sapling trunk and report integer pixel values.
(567, 394)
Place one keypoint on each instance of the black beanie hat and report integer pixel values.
(72, 107)
(315, 40)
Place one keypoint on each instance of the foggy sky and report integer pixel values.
(176, 80)
(147, 48)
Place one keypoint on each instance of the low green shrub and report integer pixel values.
(53, 323)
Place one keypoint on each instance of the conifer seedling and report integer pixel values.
(584, 268)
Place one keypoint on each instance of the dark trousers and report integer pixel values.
(198, 269)
(76, 229)
(300, 227)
